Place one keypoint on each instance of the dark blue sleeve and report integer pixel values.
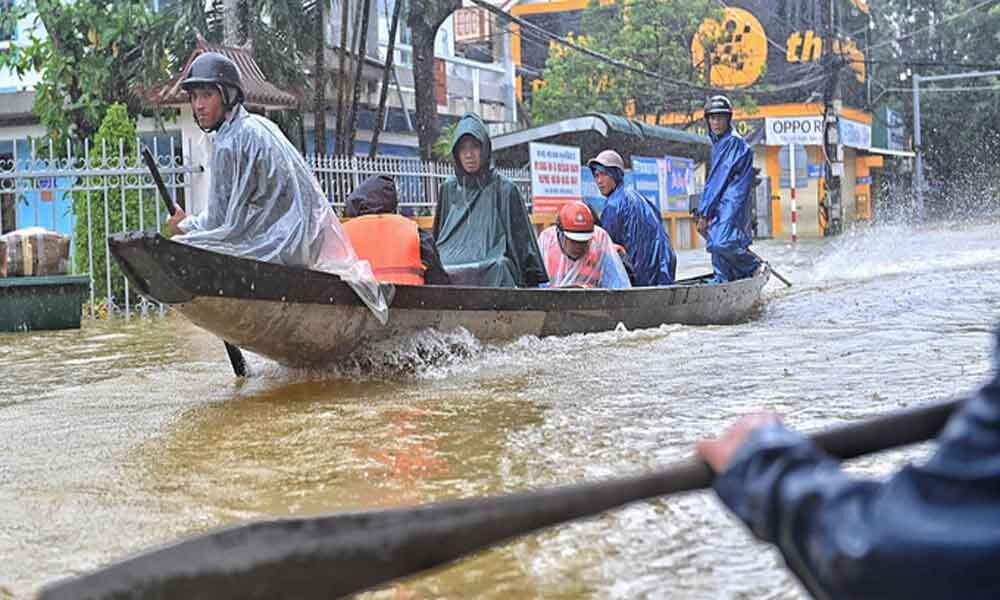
(929, 531)
(611, 220)
(735, 195)
(719, 169)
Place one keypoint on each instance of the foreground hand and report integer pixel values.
(174, 220)
(718, 453)
(703, 227)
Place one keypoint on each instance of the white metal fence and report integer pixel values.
(417, 181)
(89, 196)
(109, 190)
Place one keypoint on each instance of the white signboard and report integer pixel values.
(855, 134)
(782, 131)
(663, 177)
(555, 176)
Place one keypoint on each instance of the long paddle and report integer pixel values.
(776, 274)
(339, 554)
(235, 355)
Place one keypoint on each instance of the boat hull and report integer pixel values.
(300, 317)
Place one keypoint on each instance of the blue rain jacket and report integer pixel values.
(633, 222)
(726, 197)
(928, 532)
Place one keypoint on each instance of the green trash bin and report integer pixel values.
(42, 303)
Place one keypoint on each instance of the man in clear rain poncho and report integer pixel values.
(264, 202)
(578, 253)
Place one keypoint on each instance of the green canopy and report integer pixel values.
(594, 132)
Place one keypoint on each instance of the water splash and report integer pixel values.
(436, 355)
(889, 250)
(401, 357)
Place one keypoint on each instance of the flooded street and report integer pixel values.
(121, 436)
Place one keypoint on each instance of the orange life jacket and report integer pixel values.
(589, 265)
(391, 244)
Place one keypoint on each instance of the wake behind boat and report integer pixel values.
(304, 318)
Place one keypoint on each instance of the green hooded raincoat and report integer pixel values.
(481, 225)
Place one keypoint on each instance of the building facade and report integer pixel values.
(779, 53)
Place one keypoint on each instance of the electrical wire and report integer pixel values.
(947, 19)
(971, 88)
(763, 89)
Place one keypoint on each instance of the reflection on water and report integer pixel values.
(121, 436)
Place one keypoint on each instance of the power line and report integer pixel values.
(769, 88)
(980, 88)
(912, 63)
(947, 19)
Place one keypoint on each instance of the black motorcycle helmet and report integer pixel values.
(718, 105)
(212, 68)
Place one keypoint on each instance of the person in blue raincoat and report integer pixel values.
(633, 222)
(930, 531)
(723, 212)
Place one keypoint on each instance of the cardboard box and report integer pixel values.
(36, 251)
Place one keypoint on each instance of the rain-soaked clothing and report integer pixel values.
(599, 267)
(264, 203)
(928, 532)
(481, 225)
(377, 196)
(622, 252)
(725, 202)
(634, 222)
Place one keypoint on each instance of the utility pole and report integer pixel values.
(917, 143)
(831, 200)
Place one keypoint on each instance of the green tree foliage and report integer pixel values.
(95, 53)
(442, 145)
(655, 36)
(115, 138)
(280, 34)
(90, 57)
(959, 128)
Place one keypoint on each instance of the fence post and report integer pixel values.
(90, 231)
(124, 194)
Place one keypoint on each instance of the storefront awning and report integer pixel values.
(594, 132)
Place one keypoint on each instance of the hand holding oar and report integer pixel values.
(336, 555)
(776, 274)
(236, 358)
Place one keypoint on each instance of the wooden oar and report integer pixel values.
(339, 554)
(236, 358)
(776, 274)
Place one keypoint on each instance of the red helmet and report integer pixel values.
(576, 221)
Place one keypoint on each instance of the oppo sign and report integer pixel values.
(782, 131)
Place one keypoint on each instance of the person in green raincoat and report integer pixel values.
(481, 225)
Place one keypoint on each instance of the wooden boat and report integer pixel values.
(300, 317)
